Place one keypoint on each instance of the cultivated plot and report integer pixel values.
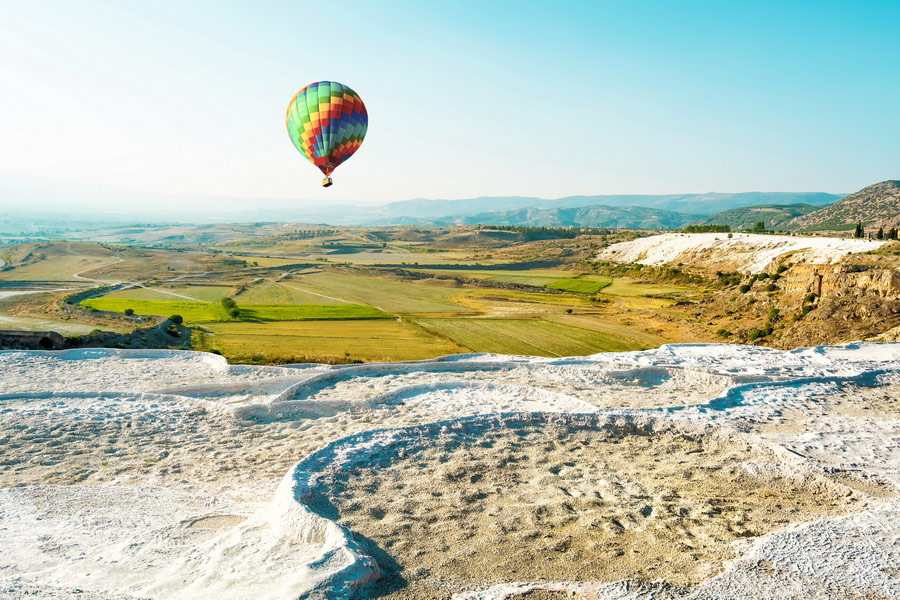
(299, 341)
(526, 336)
(398, 297)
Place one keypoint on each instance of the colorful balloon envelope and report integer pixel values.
(327, 122)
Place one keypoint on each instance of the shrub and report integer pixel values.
(231, 307)
(771, 287)
(129, 312)
(754, 334)
(724, 333)
(774, 314)
(745, 288)
(177, 319)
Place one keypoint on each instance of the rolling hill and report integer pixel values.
(623, 217)
(773, 215)
(422, 210)
(874, 206)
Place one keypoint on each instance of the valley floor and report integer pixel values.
(687, 471)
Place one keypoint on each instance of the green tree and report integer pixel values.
(231, 307)
(859, 232)
(760, 226)
(880, 234)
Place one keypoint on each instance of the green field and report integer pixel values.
(398, 297)
(550, 278)
(286, 292)
(498, 273)
(535, 280)
(200, 293)
(206, 293)
(581, 285)
(193, 312)
(375, 340)
(484, 297)
(629, 287)
(641, 339)
(309, 312)
(527, 336)
(201, 312)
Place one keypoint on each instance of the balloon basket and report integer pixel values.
(327, 182)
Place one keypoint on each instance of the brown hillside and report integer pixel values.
(874, 206)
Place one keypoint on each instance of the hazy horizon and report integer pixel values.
(109, 201)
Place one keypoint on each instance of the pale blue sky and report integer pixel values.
(465, 99)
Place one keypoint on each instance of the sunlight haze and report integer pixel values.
(183, 103)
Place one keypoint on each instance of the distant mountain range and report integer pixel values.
(773, 216)
(691, 206)
(874, 206)
(624, 217)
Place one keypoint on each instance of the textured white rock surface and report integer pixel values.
(216, 460)
(741, 251)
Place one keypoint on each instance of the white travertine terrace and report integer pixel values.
(171, 474)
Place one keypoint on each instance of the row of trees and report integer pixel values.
(707, 229)
(546, 233)
(891, 234)
(305, 234)
(231, 307)
(759, 227)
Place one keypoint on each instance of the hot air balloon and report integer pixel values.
(327, 122)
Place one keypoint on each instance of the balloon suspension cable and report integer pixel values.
(327, 182)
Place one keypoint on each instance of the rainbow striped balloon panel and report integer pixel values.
(327, 122)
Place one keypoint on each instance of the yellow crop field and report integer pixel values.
(527, 336)
(290, 341)
(624, 286)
